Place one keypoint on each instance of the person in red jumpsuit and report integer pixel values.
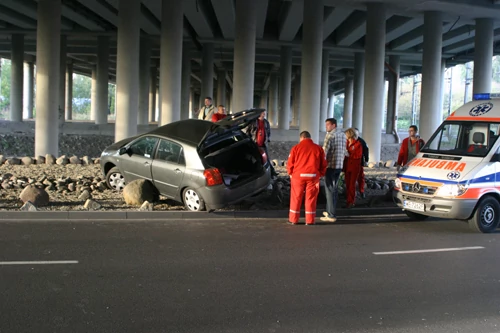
(352, 165)
(306, 164)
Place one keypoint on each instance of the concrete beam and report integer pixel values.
(352, 29)
(334, 19)
(224, 10)
(198, 18)
(80, 19)
(397, 26)
(101, 10)
(261, 16)
(14, 18)
(292, 20)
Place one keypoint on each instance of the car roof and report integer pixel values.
(194, 131)
(189, 130)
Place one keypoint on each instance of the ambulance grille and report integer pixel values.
(418, 188)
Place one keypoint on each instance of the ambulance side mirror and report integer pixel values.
(495, 158)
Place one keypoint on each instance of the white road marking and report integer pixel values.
(430, 250)
(54, 262)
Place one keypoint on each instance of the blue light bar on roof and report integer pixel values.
(480, 97)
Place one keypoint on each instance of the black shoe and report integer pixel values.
(363, 195)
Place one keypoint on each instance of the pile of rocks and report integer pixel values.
(48, 159)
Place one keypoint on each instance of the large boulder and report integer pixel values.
(39, 197)
(138, 191)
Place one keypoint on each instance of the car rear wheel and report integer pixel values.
(192, 200)
(415, 216)
(486, 216)
(115, 179)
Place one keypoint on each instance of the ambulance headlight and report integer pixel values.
(451, 190)
(397, 183)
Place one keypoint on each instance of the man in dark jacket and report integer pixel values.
(260, 132)
(364, 162)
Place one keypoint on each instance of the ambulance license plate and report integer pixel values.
(414, 205)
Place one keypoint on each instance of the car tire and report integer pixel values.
(115, 179)
(486, 216)
(415, 216)
(192, 200)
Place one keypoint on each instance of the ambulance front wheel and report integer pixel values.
(487, 216)
(415, 216)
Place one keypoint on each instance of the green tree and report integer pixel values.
(81, 96)
(5, 85)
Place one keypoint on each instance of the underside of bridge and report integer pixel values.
(279, 23)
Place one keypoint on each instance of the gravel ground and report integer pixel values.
(62, 199)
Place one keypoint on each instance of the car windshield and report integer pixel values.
(463, 138)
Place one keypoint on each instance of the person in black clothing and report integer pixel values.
(364, 162)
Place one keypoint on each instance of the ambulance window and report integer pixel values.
(447, 139)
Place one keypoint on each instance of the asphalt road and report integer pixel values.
(248, 276)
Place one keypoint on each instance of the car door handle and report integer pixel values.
(146, 163)
(178, 171)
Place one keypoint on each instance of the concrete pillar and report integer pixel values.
(144, 73)
(244, 55)
(324, 89)
(296, 100)
(102, 80)
(158, 105)
(69, 91)
(430, 112)
(441, 95)
(47, 77)
(285, 87)
(312, 46)
(171, 60)
(93, 95)
(152, 93)
(221, 87)
(264, 98)
(393, 93)
(186, 81)
(62, 82)
(16, 78)
(28, 95)
(331, 106)
(127, 68)
(358, 92)
(374, 78)
(207, 71)
(483, 54)
(273, 100)
(348, 98)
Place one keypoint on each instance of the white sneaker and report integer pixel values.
(328, 219)
(325, 214)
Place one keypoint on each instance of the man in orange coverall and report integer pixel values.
(306, 164)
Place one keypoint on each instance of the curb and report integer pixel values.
(182, 215)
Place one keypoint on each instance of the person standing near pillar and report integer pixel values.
(410, 147)
(206, 112)
(352, 165)
(334, 148)
(221, 113)
(260, 132)
(364, 162)
(306, 164)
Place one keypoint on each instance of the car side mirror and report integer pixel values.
(123, 150)
(495, 158)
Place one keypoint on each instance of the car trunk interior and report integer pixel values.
(238, 161)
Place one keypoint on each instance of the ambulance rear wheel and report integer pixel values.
(415, 216)
(487, 216)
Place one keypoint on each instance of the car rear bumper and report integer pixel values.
(458, 209)
(220, 196)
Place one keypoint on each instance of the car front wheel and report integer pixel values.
(192, 200)
(115, 179)
(486, 216)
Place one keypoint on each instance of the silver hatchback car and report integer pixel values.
(202, 164)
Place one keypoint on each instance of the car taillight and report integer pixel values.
(263, 155)
(213, 176)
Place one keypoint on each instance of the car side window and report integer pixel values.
(144, 146)
(170, 152)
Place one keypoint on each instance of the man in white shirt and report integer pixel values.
(206, 112)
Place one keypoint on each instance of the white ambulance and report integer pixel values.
(456, 175)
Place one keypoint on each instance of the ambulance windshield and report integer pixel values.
(464, 138)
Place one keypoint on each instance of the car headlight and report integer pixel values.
(451, 190)
(397, 183)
